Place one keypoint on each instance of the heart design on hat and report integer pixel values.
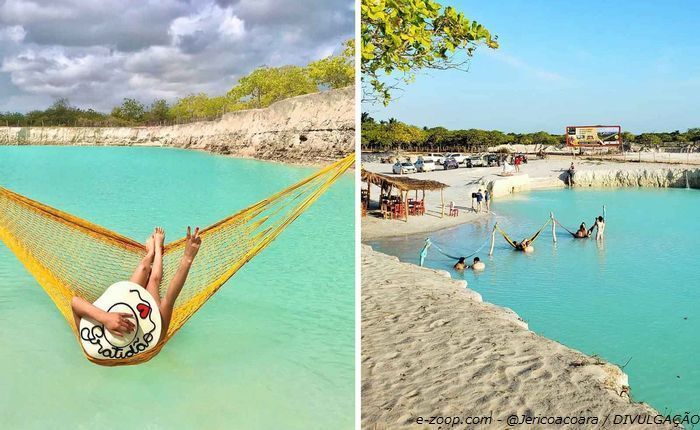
(144, 310)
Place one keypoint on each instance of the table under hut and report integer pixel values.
(394, 195)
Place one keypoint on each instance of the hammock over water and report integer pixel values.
(70, 256)
(513, 243)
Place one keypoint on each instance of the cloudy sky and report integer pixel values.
(95, 53)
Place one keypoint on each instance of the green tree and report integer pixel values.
(627, 137)
(335, 71)
(649, 139)
(406, 36)
(131, 110)
(403, 134)
(159, 111)
(693, 134)
(267, 85)
(200, 107)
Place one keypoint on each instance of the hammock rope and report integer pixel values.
(465, 256)
(562, 226)
(70, 256)
(532, 239)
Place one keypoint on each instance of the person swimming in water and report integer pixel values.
(477, 265)
(599, 225)
(582, 232)
(524, 246)
(148, 275)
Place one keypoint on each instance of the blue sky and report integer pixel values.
(633, 63)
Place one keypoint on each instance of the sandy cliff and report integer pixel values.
(306, 129)
(646, 177)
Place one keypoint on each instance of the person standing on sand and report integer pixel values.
(572, 172)
(517, 161)
(599, 225)
(479, 197)
(487, 200)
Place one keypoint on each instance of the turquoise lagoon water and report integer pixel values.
(274, 348)
(633, 299)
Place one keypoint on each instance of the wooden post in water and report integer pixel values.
(605, 214)
(405, 208)
(442, 203)
(369, 187)
(493, 238)
(554, 227)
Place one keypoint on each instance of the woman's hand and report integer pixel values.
(118, 323)
(192, 243)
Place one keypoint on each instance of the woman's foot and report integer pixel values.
(159, 239)
(192, 243)
(150, 246)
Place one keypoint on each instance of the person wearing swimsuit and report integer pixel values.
(582, 232)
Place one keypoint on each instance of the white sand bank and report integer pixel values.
(430, 347)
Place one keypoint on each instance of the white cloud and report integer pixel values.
(208, 20)
(97, 53)
(15, 33)
(231, 26)
(518, 64)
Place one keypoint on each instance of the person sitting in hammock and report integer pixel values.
(582, 232)
(148, 275)
(524, 246)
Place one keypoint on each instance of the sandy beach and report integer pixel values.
(431, 348)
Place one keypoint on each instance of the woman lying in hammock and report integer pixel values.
(524, 246)
(148, 275)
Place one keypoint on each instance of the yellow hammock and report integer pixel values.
(70, 256)
(511, 242)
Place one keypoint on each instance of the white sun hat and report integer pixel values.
(123, 297)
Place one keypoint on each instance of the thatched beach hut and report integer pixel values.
(403, 186)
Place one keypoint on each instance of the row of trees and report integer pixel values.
(393, 134)
(259, 89)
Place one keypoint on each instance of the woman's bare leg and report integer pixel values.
(143, 270)
(156, 276)
(192, 244)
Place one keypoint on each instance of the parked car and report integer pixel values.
(425, 164)
(475, 161)
(438, 158)
(404, 168)
(457, 156)
(493, 160)
(450, 163)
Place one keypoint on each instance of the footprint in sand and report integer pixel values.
(438, 323)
